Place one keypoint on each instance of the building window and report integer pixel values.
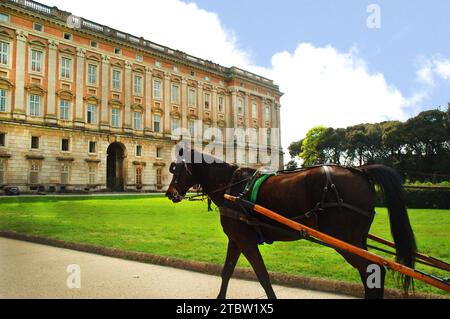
(157, 123)
(35, 142)
(65, 145)
(240, 104)
(2, 139)
(192, 127)
(4, 17)
(92, 147)
(159, 152)
(175, 93)
(138, 150)
(36, 61)
(117, 51)
(67, 36)
(158, 64)
(64, 110)
(4, 53)
(137, 85)
(255, 110)
(92, 74)
(207, 100)
(159, 178)
(206, 131)
(34, 173)
(38, 27)
(2, 172)
(66, 68)
(35, 105)
(92, 175)
(157, 89)
(65, 172)
(139, 57)
(137, 120)
(3, 100)
(192, 98)
(269, 137)
(94, 44)
(221, 104)
(175, 124)
(91, 114)
(116, 79)
(138, 177)
(267, 113)
(115, 117)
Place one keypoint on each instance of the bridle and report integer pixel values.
(175, 169)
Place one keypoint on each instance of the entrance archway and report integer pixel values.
(115, 167)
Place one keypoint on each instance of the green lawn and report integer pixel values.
(155, 225)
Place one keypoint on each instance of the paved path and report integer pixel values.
(36, 271)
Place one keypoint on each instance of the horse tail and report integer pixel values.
(405, 242)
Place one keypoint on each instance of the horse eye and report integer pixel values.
(172, 168)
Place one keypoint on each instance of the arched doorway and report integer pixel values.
(115, 167)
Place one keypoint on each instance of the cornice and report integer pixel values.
(59, 18)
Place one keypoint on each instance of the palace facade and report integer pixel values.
(84, 107)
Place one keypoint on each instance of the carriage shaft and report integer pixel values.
(339, 244)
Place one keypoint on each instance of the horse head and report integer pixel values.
(183, 177)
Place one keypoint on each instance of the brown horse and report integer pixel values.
(292, 195)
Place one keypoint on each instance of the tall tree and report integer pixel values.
(310, 153)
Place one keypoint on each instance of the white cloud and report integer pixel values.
(321, 85)
(179, 25)
(324, 86)
(433, 69)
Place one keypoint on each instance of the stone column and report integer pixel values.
(200, 101)
(148, 100)
(19, 97)
(235, 108)
(167, 103)
(79, 115)
(214, 104)
(248, 111)
(105, 120)
(127, 111)
(184, 103)
(51, 116)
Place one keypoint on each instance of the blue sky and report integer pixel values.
(409, 30)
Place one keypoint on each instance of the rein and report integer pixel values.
(205, 194)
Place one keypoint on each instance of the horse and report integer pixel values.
(300, 195)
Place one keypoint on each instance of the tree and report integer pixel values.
(292, 165)
(295, 149)
(310, 153)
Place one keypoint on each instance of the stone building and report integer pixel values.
(86, 107)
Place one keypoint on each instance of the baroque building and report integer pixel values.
(84, 107)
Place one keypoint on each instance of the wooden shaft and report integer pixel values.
(434, 261)
(345, 246)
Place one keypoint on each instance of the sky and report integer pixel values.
(338, 63)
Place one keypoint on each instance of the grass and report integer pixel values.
(155, 225)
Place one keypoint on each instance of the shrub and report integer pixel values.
(423, 198)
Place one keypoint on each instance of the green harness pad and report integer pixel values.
(257, 186)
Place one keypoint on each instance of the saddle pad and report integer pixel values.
(257, 185)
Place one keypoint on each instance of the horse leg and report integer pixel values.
(373, 286)
(233, 254)
(253, 255)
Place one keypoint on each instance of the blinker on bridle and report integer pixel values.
(175, 169)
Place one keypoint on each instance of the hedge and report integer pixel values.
(423, 198)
